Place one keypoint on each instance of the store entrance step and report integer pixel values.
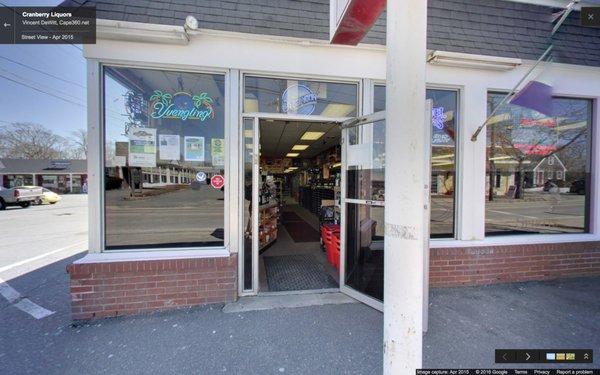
(286, 301)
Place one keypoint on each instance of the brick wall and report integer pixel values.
(100, 290)
(497, 264)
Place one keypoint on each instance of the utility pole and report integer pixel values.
(405, 186)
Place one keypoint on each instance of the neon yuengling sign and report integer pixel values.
(181, 106)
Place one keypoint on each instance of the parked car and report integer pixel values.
(577, 187)
(47, 197)
(549, 184)
(19, 196)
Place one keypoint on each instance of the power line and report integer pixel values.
(41, 71)
(42, 91)
(37, 84)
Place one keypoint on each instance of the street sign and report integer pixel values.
(217, 181)
(200, 176)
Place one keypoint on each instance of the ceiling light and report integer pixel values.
(442, 156)
(500, 158)
(292, 154)
(250, 105)
(336, 165)
(337, 110)
(311, 136)
(299, 147)
(292, 168)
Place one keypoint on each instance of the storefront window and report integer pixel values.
(538, 168)
(443, 156)
(300, 97)
(163, 129)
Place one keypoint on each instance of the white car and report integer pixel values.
(19, 196)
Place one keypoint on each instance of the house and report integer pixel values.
(61, 176)
(549, 168)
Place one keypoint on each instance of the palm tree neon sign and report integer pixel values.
(181, 105)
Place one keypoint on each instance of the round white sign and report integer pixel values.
(200, 176)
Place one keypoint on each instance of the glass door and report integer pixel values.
(363, 197)
(250, 177)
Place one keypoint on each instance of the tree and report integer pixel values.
(79, 141)
(523, 144)
(31, 141)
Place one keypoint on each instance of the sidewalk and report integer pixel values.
(466, 325)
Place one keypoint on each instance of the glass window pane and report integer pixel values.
(538, 168)
(379, 99)
(443, 156)
(364, 249)
(366, 164)
(164, 144)
(274, 95)
(443, 165)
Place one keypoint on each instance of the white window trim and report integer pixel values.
(593, 233)
(132, 256)
(97, 237)
(521, 239)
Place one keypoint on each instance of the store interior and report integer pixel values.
(299, 196)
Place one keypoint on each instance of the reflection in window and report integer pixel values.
(274, 95)
(364, 249)
(366, 164)
(443, 156)
(538, 168)
(164, 142)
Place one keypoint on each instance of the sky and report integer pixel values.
(23, 104)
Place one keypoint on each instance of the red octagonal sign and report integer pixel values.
(217, 181)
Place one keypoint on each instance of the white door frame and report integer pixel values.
(357, 122)
(365, 120)
(256, 117)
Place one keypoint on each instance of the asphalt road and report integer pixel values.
(540, 213)
(39, 235)
(180, 216)
(465, 326)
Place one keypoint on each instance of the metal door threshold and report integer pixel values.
(287, 300)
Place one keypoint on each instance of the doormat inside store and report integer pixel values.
(298, 228)
(287, 216)
(296, 272)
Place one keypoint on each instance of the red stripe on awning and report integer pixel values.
(357, 21)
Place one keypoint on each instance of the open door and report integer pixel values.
(363, 205)
(362, 209)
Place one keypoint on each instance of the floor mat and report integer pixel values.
(301, 231)
(296, 272)
(290, 216)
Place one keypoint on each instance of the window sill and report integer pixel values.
(523, 239)
(110, 257)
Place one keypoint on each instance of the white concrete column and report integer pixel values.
(470, 169)
(94, 160)
(234, 198)
(405, 187)
(70, 182)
